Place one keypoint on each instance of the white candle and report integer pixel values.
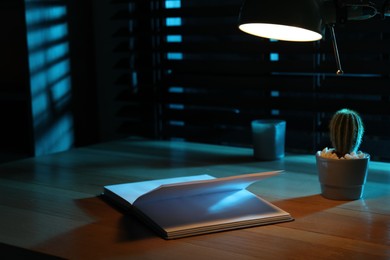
(268, 139)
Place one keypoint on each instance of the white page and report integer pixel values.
(184, 189)
(210, 210)
(131, 191)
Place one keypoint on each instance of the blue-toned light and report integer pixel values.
(39, 37)
(40, 104)
(57, 32)
(61, 91)
(50, 79)
(134, 79)
(59, 137)
(38, 83)
(176, 106)
(39, 58)
(173, 21)
(37, 15)
(174, 56)
(176, 90)
(176, 123)
(56, 52)
(35, 38)
(232, 200)
(174, 38)
(274, 56)
(275, 112)
(275, 93)
(58, 71)
(172, 4)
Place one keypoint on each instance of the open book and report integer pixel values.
(193, 205)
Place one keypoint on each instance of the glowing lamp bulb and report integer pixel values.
(280, 32)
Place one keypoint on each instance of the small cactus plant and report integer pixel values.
(346, 131)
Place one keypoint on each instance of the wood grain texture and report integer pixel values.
(52, 205)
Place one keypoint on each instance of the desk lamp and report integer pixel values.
(305, 20)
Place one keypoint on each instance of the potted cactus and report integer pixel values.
(342, 170)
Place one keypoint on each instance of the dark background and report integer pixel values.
(128, 79)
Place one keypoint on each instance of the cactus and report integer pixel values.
(346, 131)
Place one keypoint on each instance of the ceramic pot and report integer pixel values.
(342, 179)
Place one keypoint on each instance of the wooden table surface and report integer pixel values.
(51, 205)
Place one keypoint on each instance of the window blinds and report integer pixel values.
(190, 74)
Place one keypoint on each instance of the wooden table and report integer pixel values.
(51, 205)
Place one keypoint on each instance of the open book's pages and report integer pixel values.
(193, 205)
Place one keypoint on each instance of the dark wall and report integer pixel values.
(83, 70)
(15, 111)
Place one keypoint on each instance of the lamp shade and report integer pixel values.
(288, 20)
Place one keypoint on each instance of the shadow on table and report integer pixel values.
(303, 206)
(102, 230)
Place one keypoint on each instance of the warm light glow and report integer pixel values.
(280, 32)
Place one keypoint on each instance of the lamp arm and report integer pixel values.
(336, 51)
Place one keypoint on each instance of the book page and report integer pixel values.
(212, 211)
(130, 192)
(192, 188)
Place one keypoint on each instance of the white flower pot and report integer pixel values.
(342, 179)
